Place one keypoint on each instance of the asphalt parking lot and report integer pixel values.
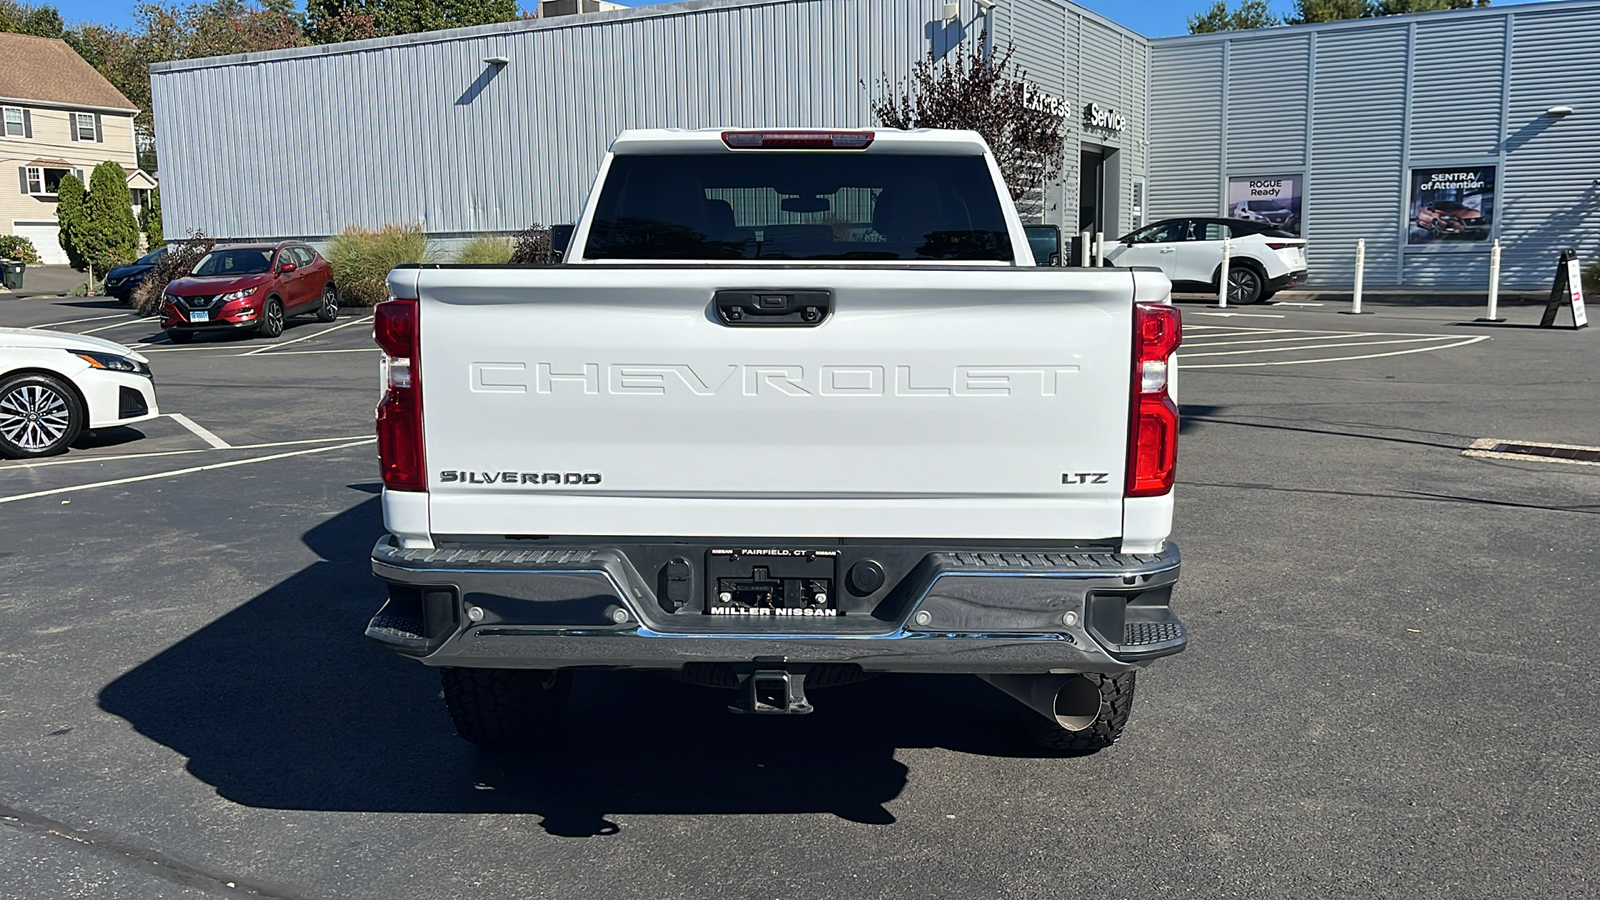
(1388, 693)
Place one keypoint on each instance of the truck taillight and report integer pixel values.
(797, 140)
(1153, 418)
(400, 450)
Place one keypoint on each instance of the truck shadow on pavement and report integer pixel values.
(283, 704)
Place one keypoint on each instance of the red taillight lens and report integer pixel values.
(1153, 418)
(797, 140)
(400, 447)
(1277, 246)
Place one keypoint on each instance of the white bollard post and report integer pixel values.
(1494, 284)
(1222, 275)
(1099, 249)
(1083, 249)
(1361, 275)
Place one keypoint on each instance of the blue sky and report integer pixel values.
(1154, 18)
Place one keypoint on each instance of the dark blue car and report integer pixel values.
(121, 281)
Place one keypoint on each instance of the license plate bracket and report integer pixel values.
(776, 582)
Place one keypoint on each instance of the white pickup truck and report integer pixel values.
(796, 408)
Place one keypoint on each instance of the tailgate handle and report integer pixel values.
(774, 307)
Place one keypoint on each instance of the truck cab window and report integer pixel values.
(764, 205)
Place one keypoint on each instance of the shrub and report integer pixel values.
(69, 218)
(109, 236)
(20, 249)
(177, 262)
(361, 260)
(91, 287)
(485, 250)
(531, 245)
(151, 221)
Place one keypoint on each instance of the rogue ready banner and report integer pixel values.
(1454, 204)
(1272, 199)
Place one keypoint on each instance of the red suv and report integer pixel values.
(249, 287)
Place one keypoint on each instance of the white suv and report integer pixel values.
(1262, 259)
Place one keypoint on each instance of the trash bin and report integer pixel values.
(13, 273)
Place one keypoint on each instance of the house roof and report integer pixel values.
(47, 71)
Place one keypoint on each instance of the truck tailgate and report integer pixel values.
(933, 402)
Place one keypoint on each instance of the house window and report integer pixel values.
(44, 181)
(84, 124)
(15, 125)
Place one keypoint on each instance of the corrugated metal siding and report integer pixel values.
(1186, 88)
(1356, 175)
(1037, 28)
(425, 132)
(1455, 88)
(1136, 141)
(1551, 196)
(1038, 31)
(1267, 96)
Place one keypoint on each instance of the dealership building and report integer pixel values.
(1429, 136)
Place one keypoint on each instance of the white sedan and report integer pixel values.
(1262, 259)
(54, 385)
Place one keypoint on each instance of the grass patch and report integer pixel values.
(362, 258)
(485, 249)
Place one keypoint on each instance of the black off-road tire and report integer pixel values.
(506, 710)
(1116, 704)
(328, 307)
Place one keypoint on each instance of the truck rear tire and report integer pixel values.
(1116, 703)
(507, 710)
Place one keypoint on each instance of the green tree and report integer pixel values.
(1401, 7)
(110, 236)
(328, 20)
(41, 20)
(150, 222)
(69, 218)
(1250, 14)
(1307, 11)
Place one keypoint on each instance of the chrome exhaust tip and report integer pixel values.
(1070, 701)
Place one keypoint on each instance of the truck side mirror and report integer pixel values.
(1045, 241)
(560, 237)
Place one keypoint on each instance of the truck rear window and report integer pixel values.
(800, 206)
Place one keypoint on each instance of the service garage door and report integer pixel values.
(46, 239)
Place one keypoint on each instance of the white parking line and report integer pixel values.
(1413, 340)
(1247, 331)
(308, 337)
(143, 348)
(201, 433)
(1229, 315)
(189, 471)
(1302, 362)
(37, 464)
(144, 321)
(1315, 337)
(310, 352)
(76, 321)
